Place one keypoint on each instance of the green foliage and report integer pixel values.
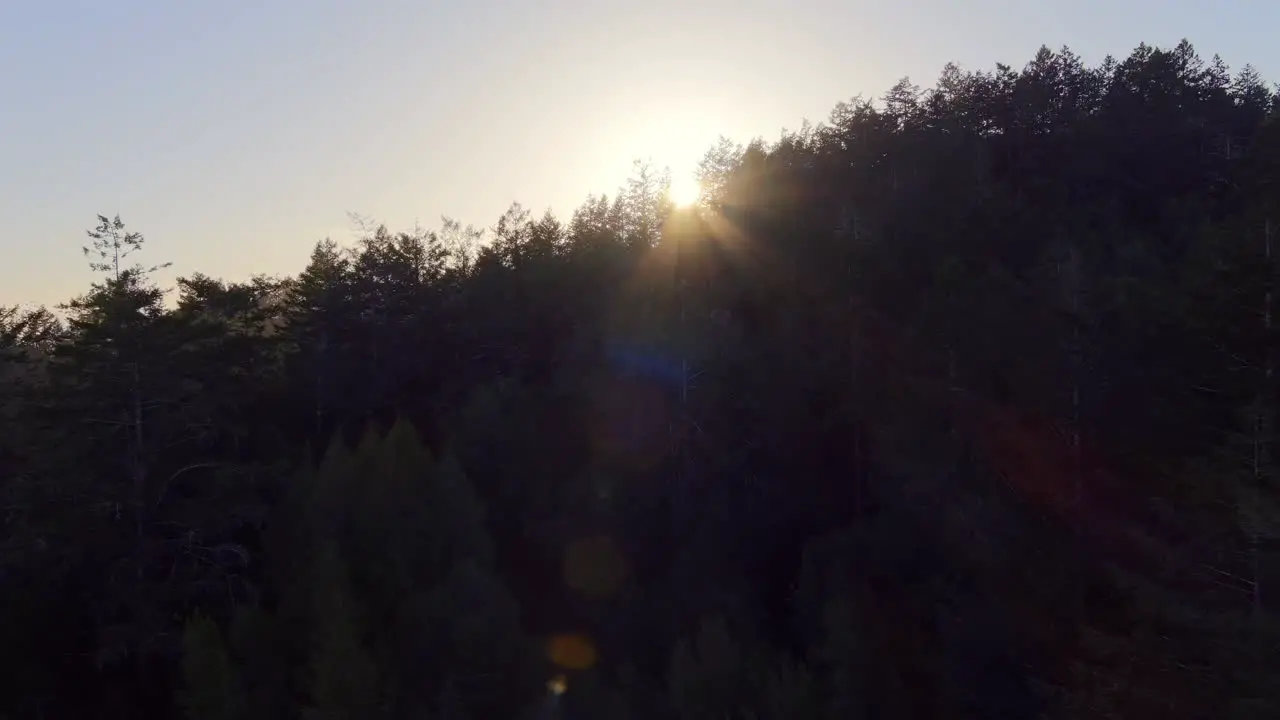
(343, 680)
(720, 675)
(212, 688)
(390, 577)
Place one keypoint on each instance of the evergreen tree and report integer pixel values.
(212, 685)
(958, 404)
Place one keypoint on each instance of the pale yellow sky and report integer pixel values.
(235, 134)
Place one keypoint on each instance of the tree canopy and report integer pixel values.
(962, 403)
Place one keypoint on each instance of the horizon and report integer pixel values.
(236, 162)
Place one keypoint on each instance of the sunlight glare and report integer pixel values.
(684, 190)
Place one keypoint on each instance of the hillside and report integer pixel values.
(959, 404)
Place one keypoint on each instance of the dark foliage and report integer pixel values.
(961, 404)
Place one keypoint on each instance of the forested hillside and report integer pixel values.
(959, 405)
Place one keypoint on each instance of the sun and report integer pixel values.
(684, 190)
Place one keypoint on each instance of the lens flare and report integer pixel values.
(571, 652)
(557, 685)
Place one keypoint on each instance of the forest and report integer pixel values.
(960, 404)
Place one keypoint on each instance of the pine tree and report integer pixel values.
(343, 682)
(212, 687)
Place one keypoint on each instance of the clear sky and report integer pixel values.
(236, 133)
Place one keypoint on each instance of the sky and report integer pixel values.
(234, 134)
